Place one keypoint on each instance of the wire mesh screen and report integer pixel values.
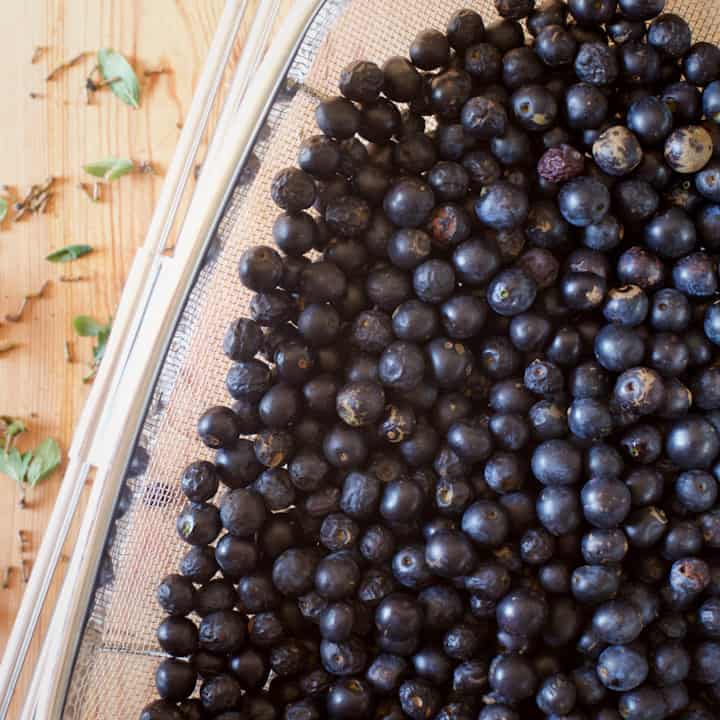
(114, 670)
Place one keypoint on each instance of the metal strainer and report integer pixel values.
(100, 652)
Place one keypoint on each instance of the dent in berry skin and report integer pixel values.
(449, 225)
(484, 118)
(596, 64)
(640, 390)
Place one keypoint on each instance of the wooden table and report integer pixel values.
(55, 134)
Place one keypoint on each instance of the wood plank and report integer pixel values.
(55, 135)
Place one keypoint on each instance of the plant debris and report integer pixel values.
(17, 317)
(69, 253)
(86, 326)
(109, 169)
(87, 188)
(7, 347)
(37, 53)
(21, 540)
(158, 71)
(64, 66)
(73, 278)
(67, 352)
(119, 75)
(36, 199)
(92, 85)
(28, 468)
(10, 428)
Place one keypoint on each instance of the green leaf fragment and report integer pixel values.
(26, 459)
(86, 326)
(102, 339)
(68, 253)
(14, 465)
(110, 168)
(45, 459)
(89, 376)
(89, 327)
(30, 467)
(4, 205)
(13, 426)
(116, 70)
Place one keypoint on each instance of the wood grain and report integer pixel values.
(55, 135)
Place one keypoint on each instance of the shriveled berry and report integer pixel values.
(561, 163)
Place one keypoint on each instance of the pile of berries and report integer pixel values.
(472, 461)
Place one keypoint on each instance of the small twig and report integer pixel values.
(92, 86)
(7, 347)
(85, 187)
(4, 425)
(18, 315)
(46, 185)
(25, 566)
(67, 352)
(293, 85)
(64, 66)
(197, 170)
(36, 200)
(6, 578)
(37, 53)
(20, 204)
(73, 278)
(159, 404)
(30, 296)
(92, 190)
(158, 71)
(21, 540)
(105, 83)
